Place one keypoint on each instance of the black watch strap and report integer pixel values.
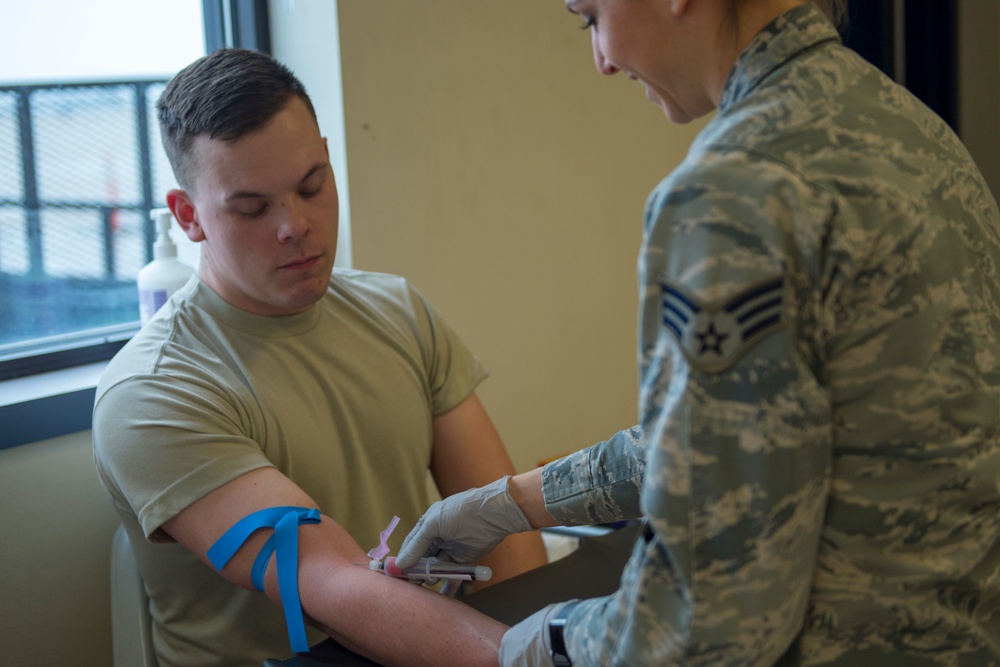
(557, 641)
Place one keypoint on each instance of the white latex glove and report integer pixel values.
(463, 527)
(527, 643)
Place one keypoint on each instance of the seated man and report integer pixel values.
(271, 380)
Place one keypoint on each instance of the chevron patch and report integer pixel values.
(715, 336)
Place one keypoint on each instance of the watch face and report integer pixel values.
(558, 644)
(556, 641)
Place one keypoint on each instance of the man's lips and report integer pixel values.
(301, 263)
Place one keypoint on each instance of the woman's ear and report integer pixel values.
(182, 206)
(679, 7)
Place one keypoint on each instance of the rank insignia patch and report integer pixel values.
(715, 336)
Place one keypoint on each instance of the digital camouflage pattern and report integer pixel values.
(818, 456)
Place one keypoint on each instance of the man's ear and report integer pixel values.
(182, 206)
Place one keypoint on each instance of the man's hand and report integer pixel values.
(465, 526)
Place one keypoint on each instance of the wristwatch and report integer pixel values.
(556, 640)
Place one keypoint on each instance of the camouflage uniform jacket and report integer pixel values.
(817, 458)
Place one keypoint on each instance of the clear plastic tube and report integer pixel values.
(432, 569)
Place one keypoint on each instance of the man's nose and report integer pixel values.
(293, 223)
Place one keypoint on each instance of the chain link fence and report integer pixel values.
(81, 166)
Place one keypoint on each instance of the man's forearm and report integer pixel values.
(395, 622)
(515, 555)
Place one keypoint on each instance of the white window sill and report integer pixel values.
(53, 383)
(47, 405)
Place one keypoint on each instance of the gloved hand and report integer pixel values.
(527, 643)
(463, 527)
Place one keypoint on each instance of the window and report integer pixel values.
(73, 203)
(81, 165)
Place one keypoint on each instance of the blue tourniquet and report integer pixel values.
(284, 541)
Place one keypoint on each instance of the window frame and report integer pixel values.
(228, 23)
(75, 360)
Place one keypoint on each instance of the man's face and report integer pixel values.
(265, 209)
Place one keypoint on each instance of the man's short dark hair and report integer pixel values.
(225, 95)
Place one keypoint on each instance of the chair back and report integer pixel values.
(131, 624)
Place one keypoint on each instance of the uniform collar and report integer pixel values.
(796, 30)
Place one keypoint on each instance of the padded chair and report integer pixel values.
(131, 624)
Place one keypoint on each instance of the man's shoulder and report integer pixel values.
(166, 349)
(365, 300)
(348, 279)
(372, 290)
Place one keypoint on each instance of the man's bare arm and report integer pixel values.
(391, 621)
(468, 453)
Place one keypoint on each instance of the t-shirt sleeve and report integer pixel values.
(162, 442)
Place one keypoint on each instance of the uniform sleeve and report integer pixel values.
(600, 484)
(736, 425)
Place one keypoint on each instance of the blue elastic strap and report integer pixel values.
(284, 541)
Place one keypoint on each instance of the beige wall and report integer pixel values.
(495, 168)
(979, 85)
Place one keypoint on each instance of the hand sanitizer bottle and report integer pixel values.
(165, 274)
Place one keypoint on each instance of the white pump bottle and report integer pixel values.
(165, 274)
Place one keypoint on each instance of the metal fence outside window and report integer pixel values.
(81, 166)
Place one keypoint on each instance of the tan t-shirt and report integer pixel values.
(340, 399)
